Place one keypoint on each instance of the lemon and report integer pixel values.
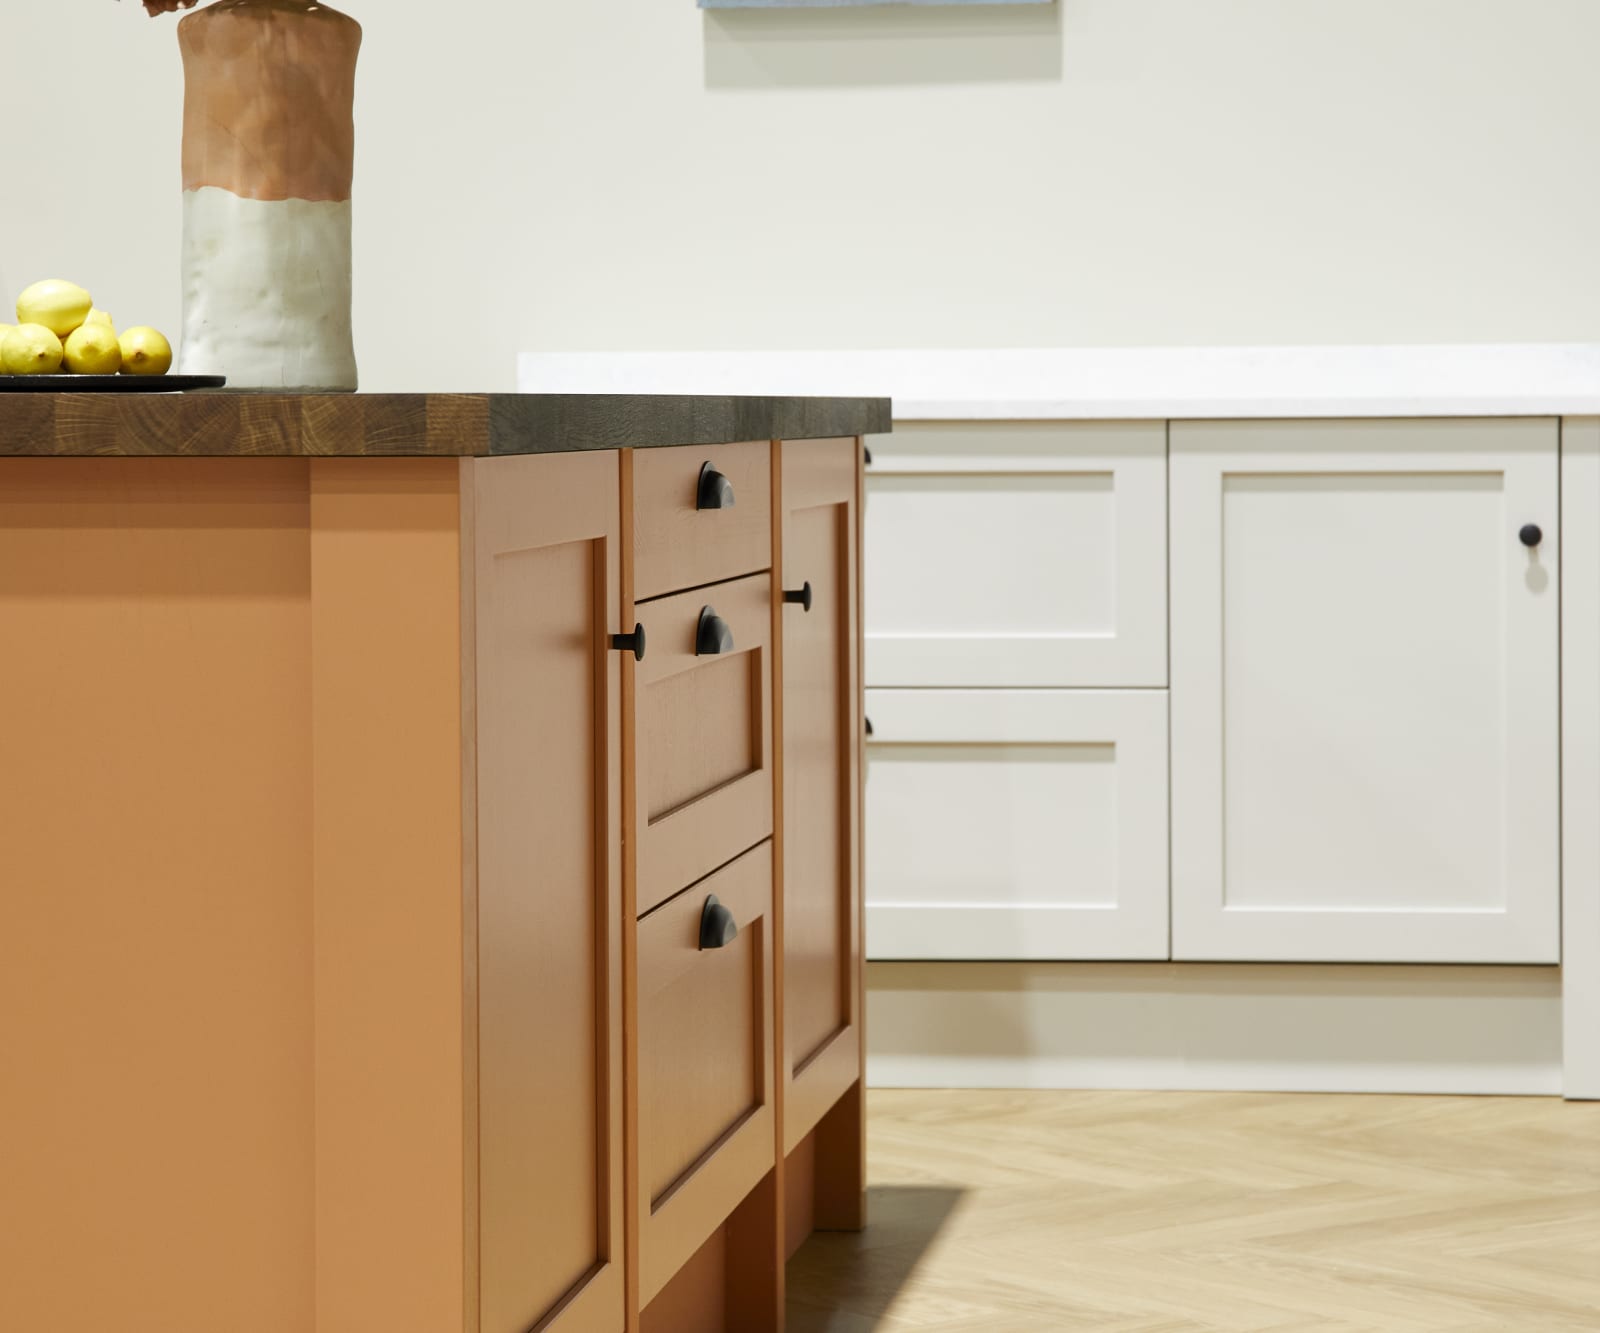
(31, 349)
(145, 352)
(101, 318)
(58, 306)
(94, 350)
(4, 329)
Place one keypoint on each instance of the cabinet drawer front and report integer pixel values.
(702, 736)
(1017, 554)
(676, 544)
(1365, 693)
(1017, 824)
(705, 1072)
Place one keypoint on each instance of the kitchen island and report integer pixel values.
(431, 858)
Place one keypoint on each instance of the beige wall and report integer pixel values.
(570, 175)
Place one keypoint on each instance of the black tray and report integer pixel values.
(108, 383)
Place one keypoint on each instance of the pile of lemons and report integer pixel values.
(58, 329)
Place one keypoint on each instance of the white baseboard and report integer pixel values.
(1221, 1027)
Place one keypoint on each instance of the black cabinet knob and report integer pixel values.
(869, 725)
(712, 636)
(799, 596)
(630, 643)
(716, 491)
(1531, 535)
(718, 929)
(866, 455)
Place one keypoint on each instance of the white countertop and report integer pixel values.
(1111, 383)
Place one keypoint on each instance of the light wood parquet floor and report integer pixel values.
(1168, 1212)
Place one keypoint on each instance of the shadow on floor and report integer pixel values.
(845, 1282)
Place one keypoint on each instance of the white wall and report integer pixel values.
(634, 174)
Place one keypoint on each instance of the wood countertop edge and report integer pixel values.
(221, 425)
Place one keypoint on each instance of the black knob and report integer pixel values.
(718, 929)
(630, 643)
(1531, 535)
(866, 455)
(869, 725)
(800, 596)
(716, 491)
(712, 636)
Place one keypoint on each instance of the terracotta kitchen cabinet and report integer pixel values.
(356, 861)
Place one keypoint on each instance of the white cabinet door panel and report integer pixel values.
(1365, 691)
(1017, 554)
(1017, 824)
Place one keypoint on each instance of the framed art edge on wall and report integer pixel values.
(843, 4)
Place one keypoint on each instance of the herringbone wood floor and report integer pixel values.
(1023, 1212)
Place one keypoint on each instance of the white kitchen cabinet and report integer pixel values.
(1026, 824)
(1366, 691)
(1017, 554)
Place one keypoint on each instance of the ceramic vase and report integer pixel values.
(268, 158)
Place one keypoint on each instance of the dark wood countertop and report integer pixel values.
(408, 425)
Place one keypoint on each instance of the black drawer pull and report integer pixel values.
(1531, 535)
(716, 491)
(800, 596)
(868, 721)
(630, 643)
(718, 929)
(712, 636)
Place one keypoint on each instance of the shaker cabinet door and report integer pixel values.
(821, 679)
(549, 895)
(1365, 691)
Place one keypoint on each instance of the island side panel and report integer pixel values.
(155, 895)
(391, 894)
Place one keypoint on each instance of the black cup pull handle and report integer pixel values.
(715, 491)
(1531, 535)
(799, 596)
(712, 636)
(718, 929)
(630, 643)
